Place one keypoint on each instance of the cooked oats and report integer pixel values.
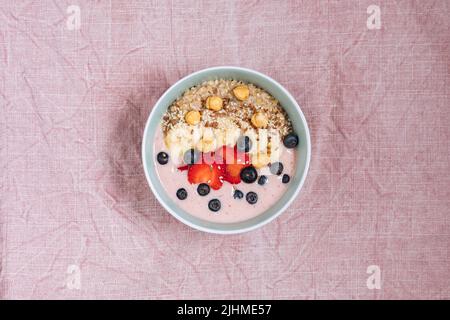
(240, 112)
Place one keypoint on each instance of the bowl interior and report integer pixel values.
(264, 82)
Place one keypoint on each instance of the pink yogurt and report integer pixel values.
(232, 210)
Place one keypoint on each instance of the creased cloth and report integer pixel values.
(78, 220)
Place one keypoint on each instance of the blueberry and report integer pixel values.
(276, 168)
(162, 157)
(244, 144)
(203, 189)
(290, 140)
(191, 156)
(238, 194)
(214, 205)
(251, 197)
(262, 180)
(249, 174)
(182, 193)
(285, 178)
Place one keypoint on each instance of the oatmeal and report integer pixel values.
(238, 111)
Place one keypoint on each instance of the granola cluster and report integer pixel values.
(246, 105)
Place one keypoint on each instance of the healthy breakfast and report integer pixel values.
(225, 151)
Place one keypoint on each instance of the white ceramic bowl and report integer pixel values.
(287, 102)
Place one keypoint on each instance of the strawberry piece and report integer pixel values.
(233, 173)
(217, 174)
(205, 173)
(225, 164)
(234, 161)
(199, 173)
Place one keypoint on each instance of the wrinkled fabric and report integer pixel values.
(78, 219)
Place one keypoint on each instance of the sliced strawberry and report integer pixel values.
(225, 164)
(205, 173)
(217, 174)
(199, 173)
(233, 172)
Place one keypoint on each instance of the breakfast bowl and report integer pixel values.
(226, 150)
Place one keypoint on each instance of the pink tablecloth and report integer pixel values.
(78, 220)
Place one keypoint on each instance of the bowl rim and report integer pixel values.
(262, 222)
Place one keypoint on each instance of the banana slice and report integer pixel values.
(179, 139)
(177, 135)
(208, 141)
(260, 160)
(183, 137)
